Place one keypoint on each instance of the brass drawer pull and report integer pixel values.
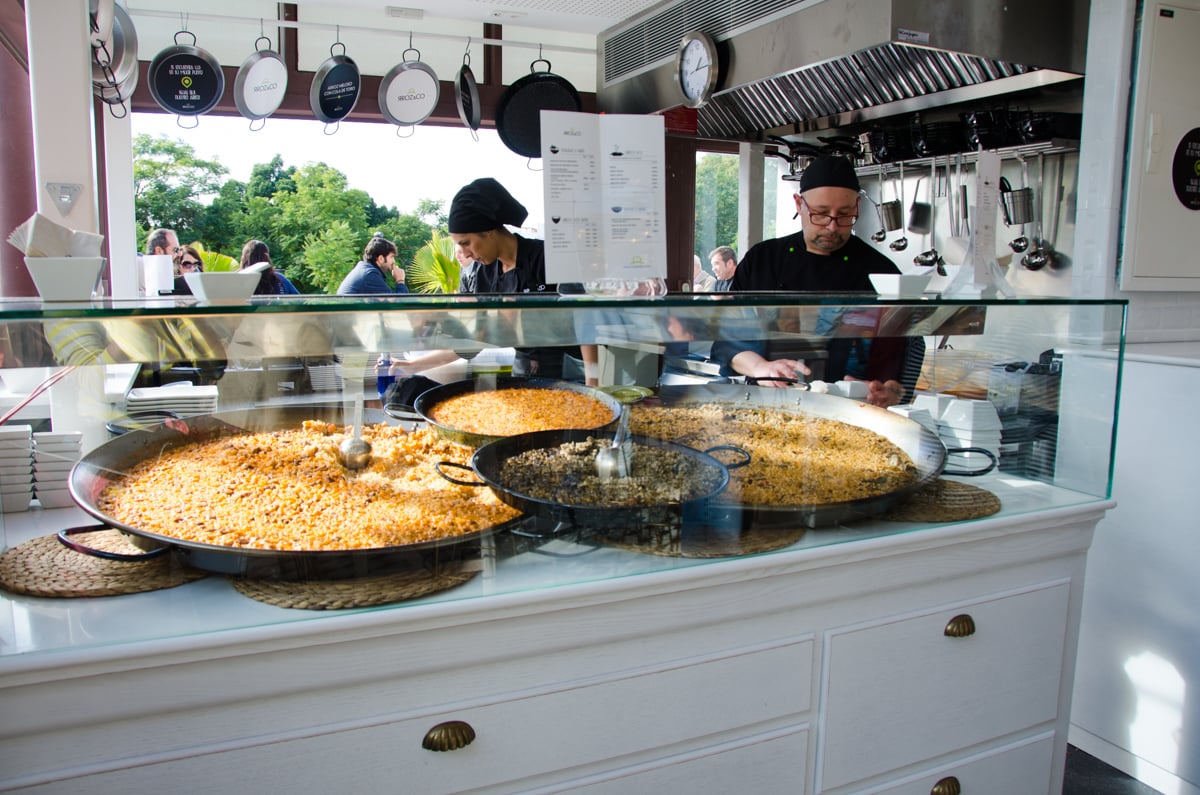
(947, 786)
(960, 626)
(448, 736)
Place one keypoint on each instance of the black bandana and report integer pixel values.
(829, 171)
(484, 205)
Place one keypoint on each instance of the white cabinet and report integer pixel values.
(818, 670)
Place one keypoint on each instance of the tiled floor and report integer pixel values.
(1087, 775)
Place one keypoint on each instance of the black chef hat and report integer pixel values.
(829, 171)
(484, 205)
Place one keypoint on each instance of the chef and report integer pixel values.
(508, 263)
(824, 256)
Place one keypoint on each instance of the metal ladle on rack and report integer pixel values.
(1020, 243)
(1037, 258)
(900, 243)
(881, 235)
(931, 257)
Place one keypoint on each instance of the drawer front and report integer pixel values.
(1022, 768)
(772, 765)
(515, 738)
(903, 690)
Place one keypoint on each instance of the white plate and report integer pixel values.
(174, 391)
(63, 437)
(57, 447)
(10, 432)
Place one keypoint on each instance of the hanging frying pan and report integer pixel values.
(467, 94)
(408, 93)
(518, 114)
(115, 58)
(335, 87)
(100, 18)
(186, 80)
(261, 82)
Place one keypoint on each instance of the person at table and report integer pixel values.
(369, 276)
(478, 222)
(186, 260)
(824, 256)
(271, 281)
(724, 264)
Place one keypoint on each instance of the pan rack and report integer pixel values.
(915, 165)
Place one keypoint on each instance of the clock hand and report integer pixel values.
(700, 66)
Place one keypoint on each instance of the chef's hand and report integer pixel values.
(786, 370)
(884, 393)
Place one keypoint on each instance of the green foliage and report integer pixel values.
(434, 269)
(215, 261)
(169, 185)
(716, 203)
(328, 256)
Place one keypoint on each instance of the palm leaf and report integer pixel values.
(434, 267)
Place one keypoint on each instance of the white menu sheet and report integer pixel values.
(605, 195)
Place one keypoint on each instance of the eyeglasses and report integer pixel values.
(823, 219)
(191, 264)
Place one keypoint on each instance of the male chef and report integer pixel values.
(824, 256)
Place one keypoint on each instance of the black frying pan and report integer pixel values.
(335, 87)
(467, 95)
(519, 112)
(186, 80)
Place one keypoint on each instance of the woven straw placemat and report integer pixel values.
(699, 542)
(44, 567)
(944, 501)
(356, 592)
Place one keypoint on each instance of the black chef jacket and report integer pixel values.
(786, 264)
(527, 277)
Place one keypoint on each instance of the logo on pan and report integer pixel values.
(410, 95)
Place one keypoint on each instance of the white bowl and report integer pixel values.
(222, 286)
(15, 432)
(55, 498)
(962, 413)
(65, 278)
(58, 437)
(900, 285)
(15, 503)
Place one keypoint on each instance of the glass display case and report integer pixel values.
(1015, 397)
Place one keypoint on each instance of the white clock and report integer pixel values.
(697, 66)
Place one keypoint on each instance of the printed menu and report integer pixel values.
(605, 196)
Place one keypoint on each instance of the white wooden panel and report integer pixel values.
(1019, 768)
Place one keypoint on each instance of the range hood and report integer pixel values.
(792, 67)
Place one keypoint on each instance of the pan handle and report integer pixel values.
(64, 538)
(970, 473)
(438, 466)
(742, 454)
(400, 412)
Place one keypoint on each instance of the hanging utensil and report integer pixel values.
(467, 94)
(1055, 258)
(335, 87)
(931, 257)
(900, 243)
(186, 80)
(881, 235)
(1036, 259)
(261, 83)
(518, 113)
(408, 93)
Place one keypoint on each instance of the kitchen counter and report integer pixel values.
(1183, 354)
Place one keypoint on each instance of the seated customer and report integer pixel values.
(272, 282)
(186, 260)
(369, 276)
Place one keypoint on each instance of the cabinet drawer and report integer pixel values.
(902, 690)
(1020, 768)
(516, 737)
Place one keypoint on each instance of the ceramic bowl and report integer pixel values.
(900, 285)
(65, 278)
(222, 286)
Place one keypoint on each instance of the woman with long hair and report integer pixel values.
(271, 282)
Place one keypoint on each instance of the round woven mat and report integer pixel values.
(356, 592)
(44, 567)
(700, 542)
(944, 501)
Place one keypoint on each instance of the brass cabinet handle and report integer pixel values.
(960, 626)
(448, 736)
(949, 785)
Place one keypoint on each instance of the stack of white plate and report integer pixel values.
(970, 423)
(182, 400)
(918, 415)
(325, 377)
(16, 467)
(53, 456)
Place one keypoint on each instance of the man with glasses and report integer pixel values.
(824, 256)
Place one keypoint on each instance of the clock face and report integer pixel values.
(697, 68)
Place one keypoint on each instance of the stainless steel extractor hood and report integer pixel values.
(791, 67)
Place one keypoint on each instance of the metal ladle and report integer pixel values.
(1037, 259)
(355, 452)
(615, 460)
(931, 257)
(881, 235)
(1020, 243)
(900, 243)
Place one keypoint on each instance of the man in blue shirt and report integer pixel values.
(367, 277)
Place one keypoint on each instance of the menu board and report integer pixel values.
(605, 196)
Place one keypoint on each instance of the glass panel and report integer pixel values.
(1032, 380)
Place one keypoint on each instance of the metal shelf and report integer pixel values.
(1054, 146)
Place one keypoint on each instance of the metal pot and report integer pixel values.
(96, 469)
(335, 86)
(924, 447)
(467, 95)
(426, 402)
(261, 82)
(488, 461)
(186, 80)
(518, 113)
(408, 93)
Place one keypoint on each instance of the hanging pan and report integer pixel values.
(409, 92)
(261, 83)
(335, 88)
(186, 80)
(115, 64)
(467, 93)
(518, 113)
